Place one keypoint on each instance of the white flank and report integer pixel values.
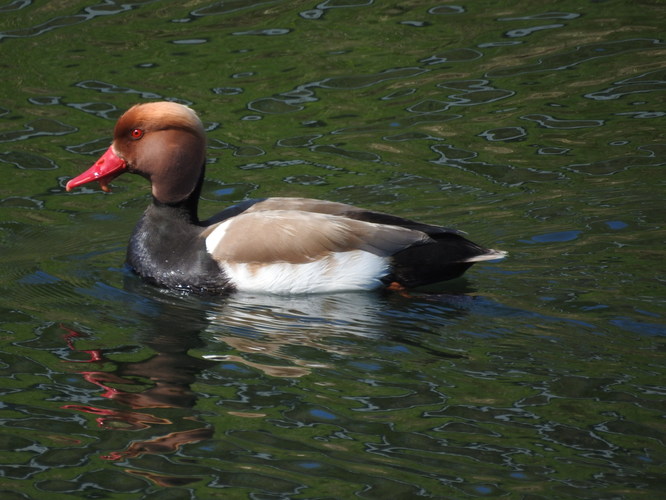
(337, 272)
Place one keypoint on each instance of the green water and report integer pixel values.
(536, 127)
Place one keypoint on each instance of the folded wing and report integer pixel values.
(295, 237)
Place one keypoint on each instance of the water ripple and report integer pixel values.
(294, 100)
(580, 55)
(110, 88)
(537, 375)
(27, 161)
(228, 7)
(38, 128)
(108, 7)
(548, 121)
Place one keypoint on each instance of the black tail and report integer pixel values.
(446, 258)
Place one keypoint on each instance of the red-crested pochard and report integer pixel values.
(272, 245)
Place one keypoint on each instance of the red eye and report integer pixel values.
(136, 133)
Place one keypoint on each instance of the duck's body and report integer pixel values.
(272, 245)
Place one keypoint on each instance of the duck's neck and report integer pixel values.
(187, 209)
(167, 249)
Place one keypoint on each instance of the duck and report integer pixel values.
(275, 245)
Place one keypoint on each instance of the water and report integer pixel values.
(536, 128)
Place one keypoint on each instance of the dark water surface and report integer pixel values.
(537, 127)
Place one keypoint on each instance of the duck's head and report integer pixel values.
(162, 141)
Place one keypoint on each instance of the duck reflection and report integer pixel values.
(275, 335)
(162, 380)
(296, 330)
(272, 326)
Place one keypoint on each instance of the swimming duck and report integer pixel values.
(271, 245)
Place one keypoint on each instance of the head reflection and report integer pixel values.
(160, 381)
